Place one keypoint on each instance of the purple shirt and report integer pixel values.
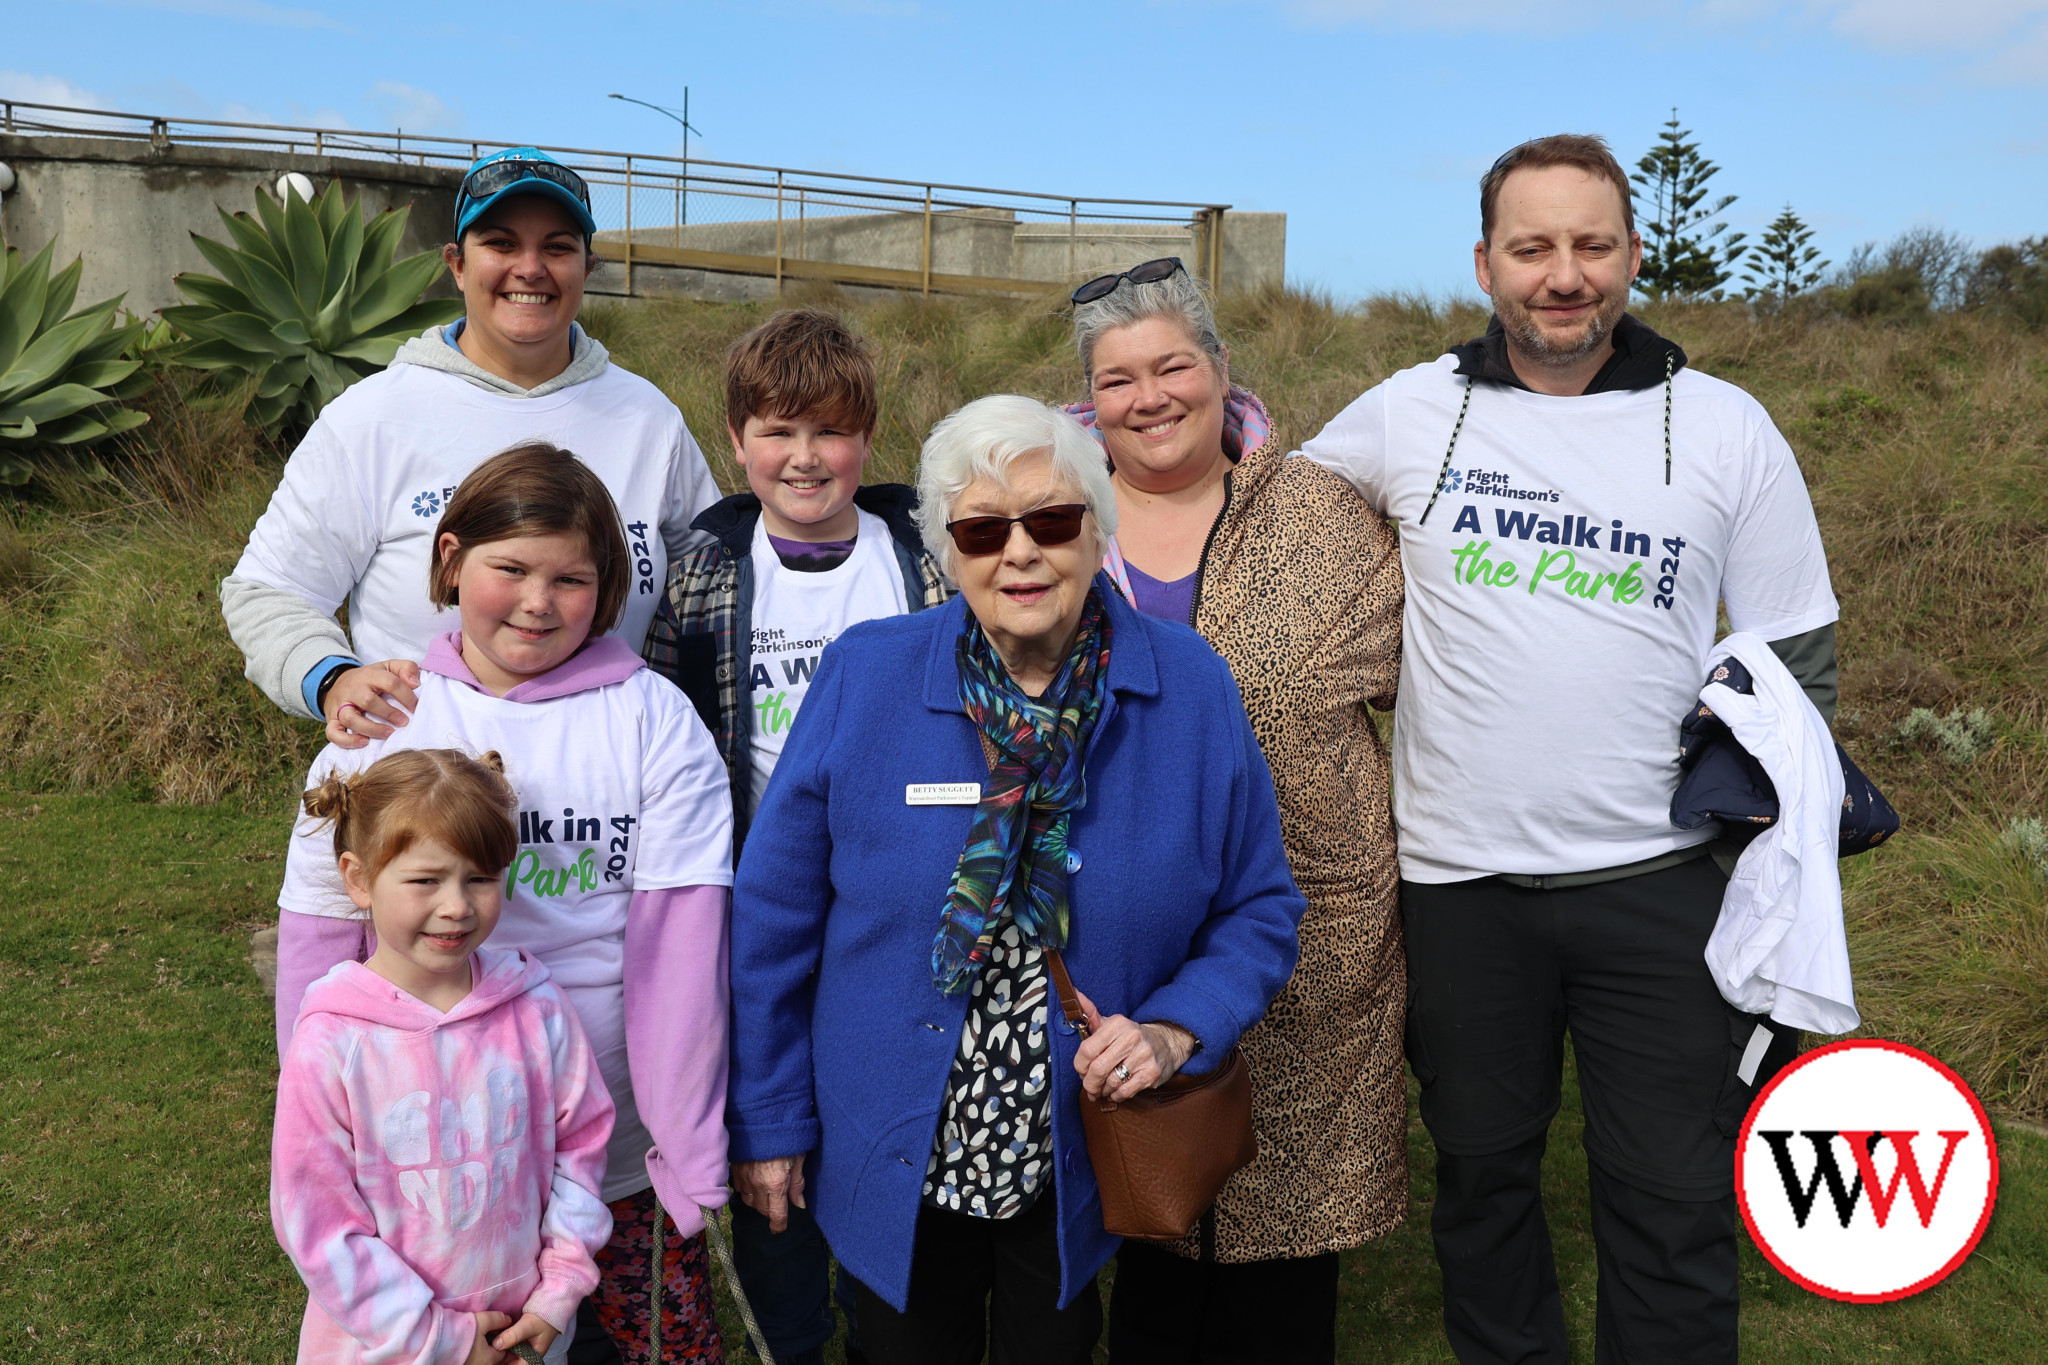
(811, 556)
(1173, 601)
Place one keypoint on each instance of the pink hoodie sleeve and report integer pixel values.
(576, 1224)
(308, 947)
(327, 1228)
(677, 1011)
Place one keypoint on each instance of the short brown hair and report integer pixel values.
(463, 803)
(803, 362)
(1587, 151)
(535, 489)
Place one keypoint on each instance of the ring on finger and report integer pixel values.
(1123, 1073)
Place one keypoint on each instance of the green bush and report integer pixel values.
(62, 374)
(308, 301)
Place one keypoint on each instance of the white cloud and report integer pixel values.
(33, 89)
(243, 11)
(20, 85)
(1909, 25)
(416, 111)
(2008, 39)
(1893, 25)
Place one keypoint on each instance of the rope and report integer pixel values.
(720, 1248)
(1460, 426)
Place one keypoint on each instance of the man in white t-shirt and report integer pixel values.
(1574, 504)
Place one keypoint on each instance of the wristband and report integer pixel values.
(326, 682)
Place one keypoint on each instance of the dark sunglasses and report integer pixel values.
(1149, 272)
(485, 181)
(1046, 526)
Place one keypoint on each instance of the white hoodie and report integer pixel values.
(355, 515)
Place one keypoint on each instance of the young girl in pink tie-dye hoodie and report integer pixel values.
(441, 1121)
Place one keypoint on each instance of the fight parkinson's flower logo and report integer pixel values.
(1866, 1171)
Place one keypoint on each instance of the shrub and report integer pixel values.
(62, 374)
(1897, 294)
(311, 301)
(2028, 838)
(2013, 280)
(1963, 738)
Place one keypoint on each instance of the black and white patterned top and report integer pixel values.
(993, 1155)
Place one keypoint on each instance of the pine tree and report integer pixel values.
(1683, 253)
(1783, 263)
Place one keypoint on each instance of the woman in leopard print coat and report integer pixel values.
(1297, 583)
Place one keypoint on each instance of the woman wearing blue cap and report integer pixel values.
(354, 520)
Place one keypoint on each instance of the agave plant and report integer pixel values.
(308, 301)
(61, 377)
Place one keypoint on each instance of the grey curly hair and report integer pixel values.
(1177, 298)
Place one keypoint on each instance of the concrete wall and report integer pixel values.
(984, 242)
(130, 208)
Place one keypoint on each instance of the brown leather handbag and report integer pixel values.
(1161, 1157)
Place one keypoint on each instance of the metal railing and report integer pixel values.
(770, 221)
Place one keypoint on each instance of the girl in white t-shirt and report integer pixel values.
(622, 878)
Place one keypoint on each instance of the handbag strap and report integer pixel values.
(1070, 1001)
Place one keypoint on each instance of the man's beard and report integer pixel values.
(1532, 344)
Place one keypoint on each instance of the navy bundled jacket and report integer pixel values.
(1183, 911)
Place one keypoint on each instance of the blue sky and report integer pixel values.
(1366, 121)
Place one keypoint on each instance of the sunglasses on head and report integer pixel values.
(485, 181)
(1148, 272)
(1046, 526)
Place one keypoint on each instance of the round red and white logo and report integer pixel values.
(1866, 1171)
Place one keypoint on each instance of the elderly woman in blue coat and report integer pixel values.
(1034, 767)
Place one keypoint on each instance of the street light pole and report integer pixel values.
(683, 204)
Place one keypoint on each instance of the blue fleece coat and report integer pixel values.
(1183, 910)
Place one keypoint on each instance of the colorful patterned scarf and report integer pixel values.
(1015, 859)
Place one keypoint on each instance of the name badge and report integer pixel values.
(942, 794)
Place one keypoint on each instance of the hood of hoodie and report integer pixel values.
(435, 349)
(600, 663)
(353, 991)
(1246, 426)
(1637, 362)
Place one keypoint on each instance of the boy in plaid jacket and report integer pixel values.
(804, 553)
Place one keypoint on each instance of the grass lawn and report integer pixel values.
(136, 1073)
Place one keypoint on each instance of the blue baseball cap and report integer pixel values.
(520, 170)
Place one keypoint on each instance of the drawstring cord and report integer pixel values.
(1670, 360)
(1446, 467)
(1670, 366)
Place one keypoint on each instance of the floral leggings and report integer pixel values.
(689, 1322)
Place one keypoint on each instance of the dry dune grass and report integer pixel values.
(1926, 448)
(115, 669)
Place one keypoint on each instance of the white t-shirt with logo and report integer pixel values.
(796, 615)
(356, 512)
(620, 790)
(1561, 603)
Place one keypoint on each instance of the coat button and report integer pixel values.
(1067, 1161)
(725, 672)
